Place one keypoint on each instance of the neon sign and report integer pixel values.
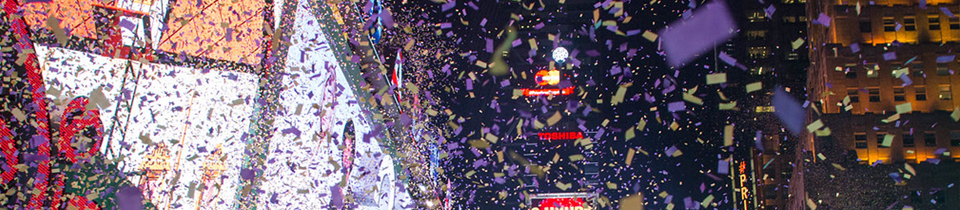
(743, 180)
(547, 92)
(551, 77)
(560, 135)
(562, 204)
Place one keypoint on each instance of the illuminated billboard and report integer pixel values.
(561, 201)
(175, 122)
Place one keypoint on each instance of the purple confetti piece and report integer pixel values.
(889, 56)
(789, 111)
(673, 149)
(855, 47)
(769, 11)
(945, 58)
(727, 59)
(823, 19)
(448, 6)
(247, 174)
(683, 40)
(906, 80)
(387, 18)
(947, 12)
(129, 198)
(723, 167)
(676, 106)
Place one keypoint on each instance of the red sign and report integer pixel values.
(547, 92)
(561, 204)
(560, 135)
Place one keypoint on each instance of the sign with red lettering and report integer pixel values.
(561, 204)
(547, 92)
(560, 135)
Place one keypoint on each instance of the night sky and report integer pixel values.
(483, 105)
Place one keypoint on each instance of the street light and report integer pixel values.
(560, 54)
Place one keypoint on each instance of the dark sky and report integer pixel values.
(607, 62)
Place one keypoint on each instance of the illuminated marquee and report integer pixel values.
(547, 92)
(744, 191)
(561, 204)
(560, 135)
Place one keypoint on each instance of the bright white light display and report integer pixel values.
(190, 112)
(560, 54)
(305, 159)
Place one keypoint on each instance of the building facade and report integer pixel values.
(882, 78)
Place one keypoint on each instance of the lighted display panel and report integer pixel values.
(173, 118)
(309, 149)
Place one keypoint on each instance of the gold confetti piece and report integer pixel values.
(717, 78)
(619, 96)
(564, 186)
(629, 134)
(670, 206)
(632, 202)
(707, 201)
(838, 166)
(17, 113)
(797, 43)
(642, 124)
(692, 99)
(677, 153)
(491, 138)
(728, 135)
(892, 118)
(663, 194)
(816, 125)
(846, 100)
(575, 158)
(956, 114)
(887, 140)
(650, 35)
(630, 156)
(754, 86)
(470, 173)
(821, 156)
(611, 185)
(810, 204)
(554, 119)
(728, 106)
(904, 108)
(674, 126)
(823, 132)
(605, 121)
(479, 144)
(909, 168)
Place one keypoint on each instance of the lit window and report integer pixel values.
(934, 22)
(757, 16)
(789, 19)
(874, 94)
(756, 34)
(930, 139)
(854, 95)
(792, 56)
(910, 23)
(889, 24)
(954, 23)
(942, 69)
(908, 140)
(955, 138)
(899, 94)
(945, 92)
(921, 93)
(861, 140)
(759, 52)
